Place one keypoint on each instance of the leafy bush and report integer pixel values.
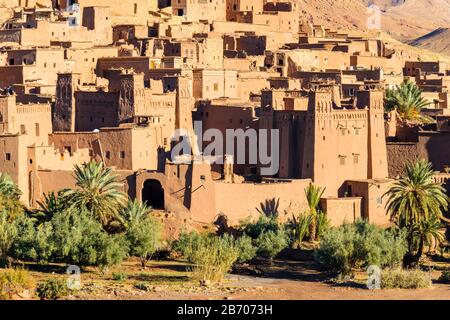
(14, 282)
(445, 276)
(52, 289)
(263, 224)
(33, 243)
(188, 243)
(247, 251)
(119, 276)
(81, 240)
(144, 238)
(323, 224)
(270, 243)
(10, 197)
(298, 227)
(404, 279)
(214, 258)
(8, 234)
(359, 245)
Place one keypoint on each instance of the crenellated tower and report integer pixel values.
(64, 110)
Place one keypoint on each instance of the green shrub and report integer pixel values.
(33, 243)
(445, 276)
(270, 243)
(360, 245)
(214, 258)
(14, 282)
(247, 251)
(298, 227)
(188, 243)
(143, 286)
(52, 289)
(144, 238)
(82, 241)
(263, 224)
(404, 279)
(8, 234)
(323, 224)
(119, 276)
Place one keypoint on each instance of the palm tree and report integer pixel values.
(313, 194)
(431, 232)
(407, 100)
(48, 207)
(416, 202)
(9, 197)
(97, 190)
(134, 212)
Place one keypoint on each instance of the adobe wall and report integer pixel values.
(374, 201)
(342, 210)
(434, 147)
(240, 201)
(398, 153)
(47, 181)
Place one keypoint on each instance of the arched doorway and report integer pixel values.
(153, 194)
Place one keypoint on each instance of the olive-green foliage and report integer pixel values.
(323, 224)
(52, 289)
(33, 243)
(81, 240)
(72, 237)
(9, 197)
(143, 231)
(8, 234)
(270, 243)
(13, 282)
(269, 237)
(263, 224)
(247, 251)
(445, 276)
(299, 227)
(360, 245)
(404, 279)
(188, 244)
(214, 258)
(119, 276)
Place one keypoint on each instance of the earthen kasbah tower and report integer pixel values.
(64, 109)
(346, 143)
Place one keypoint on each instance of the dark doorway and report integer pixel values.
(153, 194)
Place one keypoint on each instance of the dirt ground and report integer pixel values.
(291, 280)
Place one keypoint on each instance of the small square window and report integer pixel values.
(8, 156)
(122, 154)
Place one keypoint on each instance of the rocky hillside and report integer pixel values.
(404, 20)
(438, 41)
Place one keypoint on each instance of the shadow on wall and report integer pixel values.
(436, 150)
(269, 207)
